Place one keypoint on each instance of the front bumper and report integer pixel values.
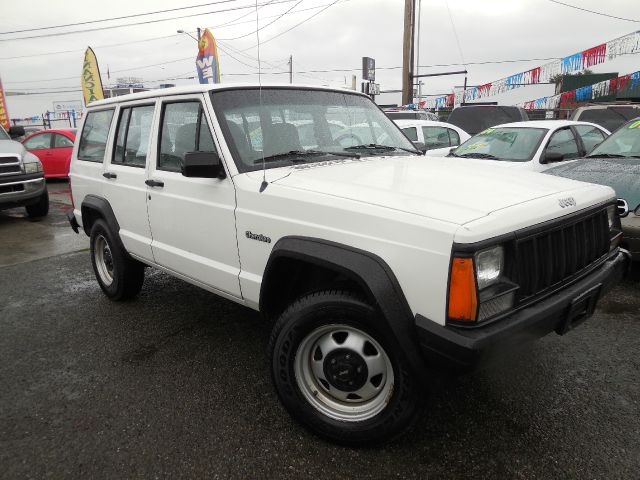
(20, 190)
(631, 235)
(467, 347)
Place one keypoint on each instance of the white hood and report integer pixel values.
(435, 188)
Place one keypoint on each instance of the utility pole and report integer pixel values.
(198, 33)
(407, 52)
(418, 52)
(290, 68)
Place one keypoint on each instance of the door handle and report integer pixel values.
(109, 175)
(154, 183)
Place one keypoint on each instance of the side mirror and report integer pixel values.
(16, 131)
(202, 165)
(552, 157)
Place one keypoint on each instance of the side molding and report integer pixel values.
(370, 271)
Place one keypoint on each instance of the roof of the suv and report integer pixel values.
(164, 92)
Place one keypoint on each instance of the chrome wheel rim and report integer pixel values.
(104, 260)
(344, 373)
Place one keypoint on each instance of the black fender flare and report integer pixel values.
(370, 271)
(103, 208)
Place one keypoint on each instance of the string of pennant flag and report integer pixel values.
(576, 62)
(586, 94)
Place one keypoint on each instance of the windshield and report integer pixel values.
(283, 124)
(625, 142)
(3, 134)
(509, 144)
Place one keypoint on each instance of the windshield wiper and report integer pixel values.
(606, 155)
(375, 146)
(295, 155)
(477, 155)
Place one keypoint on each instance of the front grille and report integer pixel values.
(4, 160)
(11, 188)
(548, 258)
(10, 169)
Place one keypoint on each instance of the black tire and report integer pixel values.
(110, 259)
(292, 331)
(41, 208)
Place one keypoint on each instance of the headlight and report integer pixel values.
(32, 167)
(489, 265)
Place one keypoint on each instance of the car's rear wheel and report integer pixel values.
(119, 276)
(40, 208)
(337, 374)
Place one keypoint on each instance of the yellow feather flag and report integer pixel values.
(90, 79)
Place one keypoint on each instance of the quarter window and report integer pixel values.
(563, 142)
(132, 138)
(93, 140)
(184, 129)
(454, 137)
(38, 142)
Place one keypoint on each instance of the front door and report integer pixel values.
(192, 219)
(125, 177)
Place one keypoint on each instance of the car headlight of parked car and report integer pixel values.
(637, 211)
(615, 227)
(32, 167)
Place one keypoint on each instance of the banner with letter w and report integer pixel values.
(207, 59)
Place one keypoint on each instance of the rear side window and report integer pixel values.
(132, 138)
(436, 137)
(93, 141)
(60, 141)
(454, 137)
(184, 129)
(590, 136)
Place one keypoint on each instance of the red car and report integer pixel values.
(53, 148)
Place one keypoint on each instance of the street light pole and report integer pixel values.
(290, 68)
(198, 33)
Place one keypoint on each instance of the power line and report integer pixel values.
(218, 26)
(295, 26)
(602, 14)
(264, 26)
(117, 18)
(138, 23)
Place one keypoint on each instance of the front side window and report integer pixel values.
(184, 129)
(436, 137)
(287, 126)
(38, 142)
(625, 142)
(60, 141)
(93, 140)
(411, 133)
(564, 143)
(132, 137)
(590, 136)
(509, 144)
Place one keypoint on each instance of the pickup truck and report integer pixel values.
(372, 263)
(22, 181)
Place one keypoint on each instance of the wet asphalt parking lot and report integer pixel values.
(176, 384)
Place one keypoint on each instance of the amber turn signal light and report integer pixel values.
(463, 298)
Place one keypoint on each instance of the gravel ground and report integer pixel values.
(176, 384)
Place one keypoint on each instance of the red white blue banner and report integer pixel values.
(625, 45)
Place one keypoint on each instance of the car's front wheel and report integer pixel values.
(40, 208)
(119, 276)
(337, 374)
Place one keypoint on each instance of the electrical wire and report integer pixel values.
(138, 23)
(602, 14)
(264, 26)
(455, 33)
(117, 18)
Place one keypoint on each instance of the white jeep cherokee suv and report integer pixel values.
(373, 263)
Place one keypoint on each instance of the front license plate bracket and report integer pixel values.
(581, 308)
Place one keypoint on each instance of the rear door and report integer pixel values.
(192, 219)
(125, 175)
(61, 154)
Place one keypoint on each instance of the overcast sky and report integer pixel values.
(337, 38)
